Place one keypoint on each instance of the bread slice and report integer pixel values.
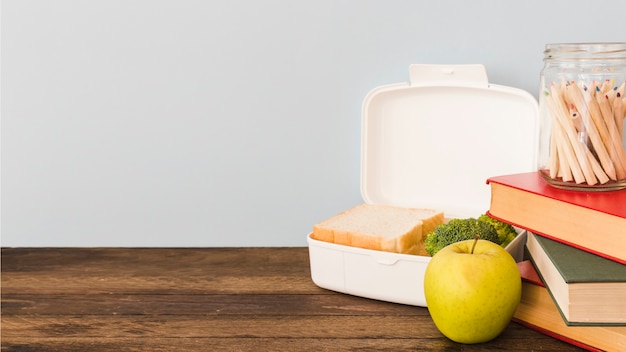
(380, 227)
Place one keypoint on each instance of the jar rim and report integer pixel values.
(590, 51)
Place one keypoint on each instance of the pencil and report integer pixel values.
(590, 118)
(619, 112)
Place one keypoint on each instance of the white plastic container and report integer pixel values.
(430, 143)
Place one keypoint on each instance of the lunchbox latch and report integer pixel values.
(385, 259)
(464, 75)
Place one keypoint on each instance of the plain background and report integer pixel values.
(227, 123)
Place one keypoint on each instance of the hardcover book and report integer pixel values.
(591, 221)
(538, 312)
(586, 288)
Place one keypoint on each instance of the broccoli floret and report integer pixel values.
(506, 232)
(457, 230)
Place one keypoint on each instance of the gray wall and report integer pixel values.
(227, 123)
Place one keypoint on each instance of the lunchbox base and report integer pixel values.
(391, 277)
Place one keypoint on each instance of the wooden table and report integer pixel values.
(206, 299)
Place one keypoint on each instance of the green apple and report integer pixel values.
(472, 288)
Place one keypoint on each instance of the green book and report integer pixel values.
(587, 289)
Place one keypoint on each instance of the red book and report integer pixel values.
(594, 221)
(538, 312)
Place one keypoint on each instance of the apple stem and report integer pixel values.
(475, 241)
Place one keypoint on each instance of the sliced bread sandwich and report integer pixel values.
(380, 227)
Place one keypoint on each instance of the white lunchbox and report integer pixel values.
(430, 143)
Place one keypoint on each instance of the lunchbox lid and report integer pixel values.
(433, 141)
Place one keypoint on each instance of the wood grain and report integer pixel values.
(206, 299)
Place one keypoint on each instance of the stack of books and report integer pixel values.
(574, 281)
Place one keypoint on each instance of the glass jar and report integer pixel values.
(582, 108)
